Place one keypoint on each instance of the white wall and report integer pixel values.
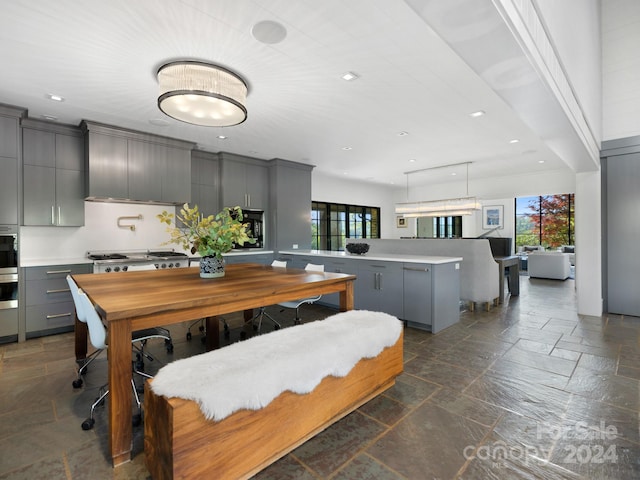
(574, 28)
(336, 189)
(100, 232)
(620, 68)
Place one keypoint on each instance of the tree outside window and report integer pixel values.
(546, 220)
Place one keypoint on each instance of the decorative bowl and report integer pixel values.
(357, 248)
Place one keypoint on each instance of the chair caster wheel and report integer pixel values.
(170, 348)
(297, 322)
(77, 383)
(188, 335)
(136, 420)
(88, 424)
(201, 328)
(277, 327)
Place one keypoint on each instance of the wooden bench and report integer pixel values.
(180, 442)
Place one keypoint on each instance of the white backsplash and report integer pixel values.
(100, 232)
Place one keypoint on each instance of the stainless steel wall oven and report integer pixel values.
(8, 271)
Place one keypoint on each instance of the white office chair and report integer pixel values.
(86, 312)
(296, 304)
(262, 312)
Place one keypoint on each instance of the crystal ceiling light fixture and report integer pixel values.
(439, 208)
(202, 94)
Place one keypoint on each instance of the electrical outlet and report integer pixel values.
(295, 246)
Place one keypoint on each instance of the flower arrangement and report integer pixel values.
(208, 236)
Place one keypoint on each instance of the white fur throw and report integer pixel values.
(250, 374)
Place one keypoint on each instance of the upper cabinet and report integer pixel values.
(244, 182)
(135, 166)
(9, 161)
(289, 219)
(53, 174)
(205, 182)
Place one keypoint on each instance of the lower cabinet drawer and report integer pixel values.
(50, 316)
(55, 290)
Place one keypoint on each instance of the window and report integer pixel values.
(333, 223)
(546, 220)
(439, 227)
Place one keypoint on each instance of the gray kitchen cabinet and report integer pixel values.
(9, 162)
(136, 166)
(244, 182)
(8, 191)
(263, 258)
(53, 174)
(49, 305)
(431, 295)
(289, 219)
(379, 287)
(337, 266)
(107, 174)
(205, 182)
(8, 325)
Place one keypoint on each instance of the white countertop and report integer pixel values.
(41, 262)
(388, 257)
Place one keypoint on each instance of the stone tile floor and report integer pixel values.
(528, 390)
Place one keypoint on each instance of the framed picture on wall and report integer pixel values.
(492, 217)
(401, 222)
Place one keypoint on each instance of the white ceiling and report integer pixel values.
(102, 57)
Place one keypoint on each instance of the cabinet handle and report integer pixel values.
(59, 215)
(53, 214)
(58, 315)
(61, 290)
(379, 281)
(54, 272)
(414, 269)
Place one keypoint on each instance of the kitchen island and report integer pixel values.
(422, 290)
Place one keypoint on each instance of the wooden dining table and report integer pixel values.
(130, 301)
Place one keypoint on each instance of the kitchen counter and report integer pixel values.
(388, 257)
(42, 262)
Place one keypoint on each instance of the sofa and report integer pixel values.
(553, 265)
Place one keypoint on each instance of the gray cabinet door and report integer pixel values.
(53, 178)
(176, 175)
(38, 148)
(145, 170)
(69, 197)
(337, 266)
(108, 170)
(418, 295)
(379, 287)
(69, 152)
(257, 186)
(8, 190)
(39, 195)
(8, 137)
(244, 184)
(234, 187)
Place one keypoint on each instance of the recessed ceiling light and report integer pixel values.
(454, 174)
(515, 140)
(222, 137)
(479, 113)
(54, 97)
(412, 160)
(347, 148)
(350, 76)
(403, 134)
(540, 161)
